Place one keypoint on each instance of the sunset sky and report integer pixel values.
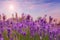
(33, 7)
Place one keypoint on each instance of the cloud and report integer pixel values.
(35, 1)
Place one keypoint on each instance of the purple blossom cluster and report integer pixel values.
(25, 25)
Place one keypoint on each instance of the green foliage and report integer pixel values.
(22, 37)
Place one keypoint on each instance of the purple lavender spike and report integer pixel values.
(1, 37)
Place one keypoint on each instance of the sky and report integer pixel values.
(35, 8)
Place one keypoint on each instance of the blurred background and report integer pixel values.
(35, 8)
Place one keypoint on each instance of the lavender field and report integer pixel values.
(25, 28)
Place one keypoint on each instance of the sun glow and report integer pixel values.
(11, 7)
